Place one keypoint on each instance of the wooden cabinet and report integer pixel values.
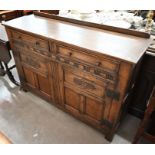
(74, 73)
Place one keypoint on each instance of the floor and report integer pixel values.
(25, 118)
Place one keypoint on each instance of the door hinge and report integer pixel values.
(113, 94)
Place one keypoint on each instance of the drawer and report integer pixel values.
(98, 72)
(89, 86)
(21, 39)
(8, 15)
(35, 63)
(20, 46)
(109, 65)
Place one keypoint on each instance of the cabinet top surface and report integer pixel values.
(121, 46)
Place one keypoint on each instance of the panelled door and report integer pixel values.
(84, 95)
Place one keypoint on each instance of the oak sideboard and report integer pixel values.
(83, 70)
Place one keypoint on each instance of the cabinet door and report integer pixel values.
(36, 71)
(72, 100)
(94, 110)
(89, 108)
(83, 96)
(37, 81)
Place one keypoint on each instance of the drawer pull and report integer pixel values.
(3, 16)
(70, 54)
(19, 37)
(98, 63)
(37, 43)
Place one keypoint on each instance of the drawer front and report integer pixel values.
(27, 41)
(36, 63)
(29, 48)
(86, 85)
(109, 65)
(96, 71)
(8, 16)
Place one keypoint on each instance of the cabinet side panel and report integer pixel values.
(125, 74)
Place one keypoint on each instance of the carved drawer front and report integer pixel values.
(31, 43)
(38, 64)
(106, 64)
(23, 47)
(8, 16)
(96, 71)
(85, 84)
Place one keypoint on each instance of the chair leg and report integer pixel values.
(141, 130)
(2, 71)
(138, 135)
(11, 77)
(1, 65)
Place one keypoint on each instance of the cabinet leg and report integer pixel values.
(109, 137)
